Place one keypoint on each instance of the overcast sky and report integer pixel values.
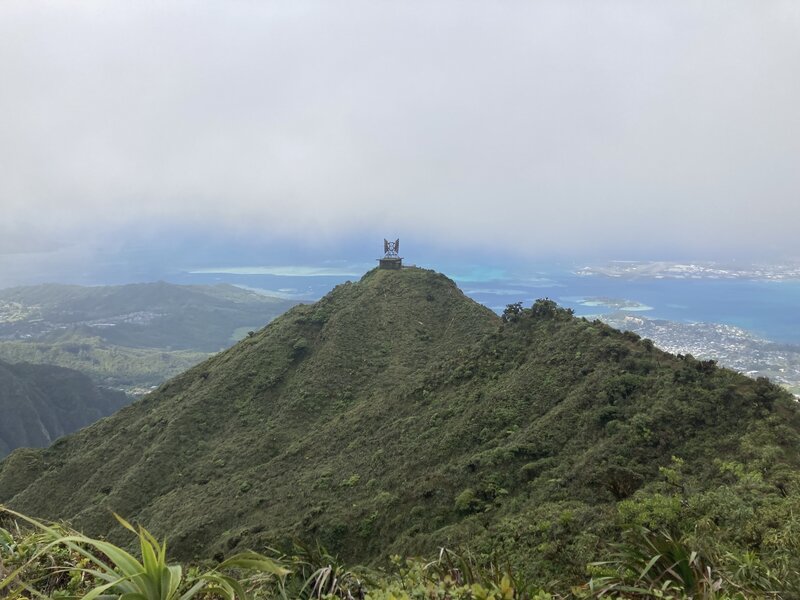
(568, 127)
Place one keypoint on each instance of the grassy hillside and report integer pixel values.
(40, 403)
(131, 336)
(397, 415)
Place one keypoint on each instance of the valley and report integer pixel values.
(131, 337)
(41, 403)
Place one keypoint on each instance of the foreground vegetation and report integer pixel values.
(50, 560)
(396, 416)
(53, 561)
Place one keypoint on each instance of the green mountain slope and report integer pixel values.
(40, 403)
(130, 336)
(397, 415)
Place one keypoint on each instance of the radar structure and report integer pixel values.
(391, 248)
(391, 257)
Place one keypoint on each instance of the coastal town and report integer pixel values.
(693, 270)
(730, 346)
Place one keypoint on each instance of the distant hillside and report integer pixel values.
(397, 415)
(141, 315)
(40, 403)
(128, 336)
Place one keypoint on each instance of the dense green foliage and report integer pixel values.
(397, 416)
(128, 337)
(39, 403)
(87, 568)
(50, 560)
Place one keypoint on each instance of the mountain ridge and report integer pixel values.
(397, 415)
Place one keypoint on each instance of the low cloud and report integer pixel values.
(566, 127)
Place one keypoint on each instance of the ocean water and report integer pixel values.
(767, 308)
